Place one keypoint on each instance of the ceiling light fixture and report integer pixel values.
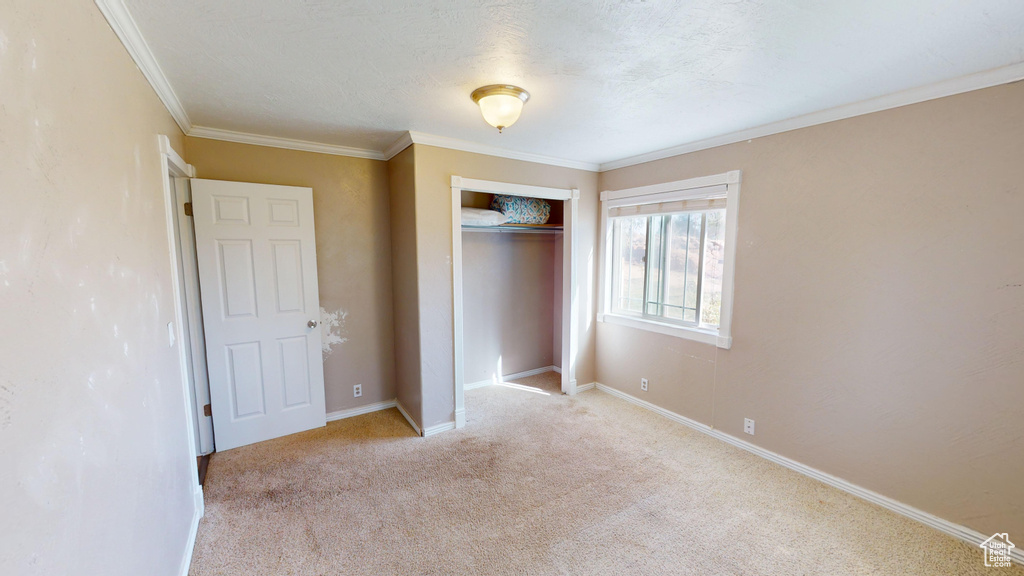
(500, 104)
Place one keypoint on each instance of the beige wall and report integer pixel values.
(434, 168)
(508, 295)
(879, 315)
(402, 198)
(353, 255)
(96, 477)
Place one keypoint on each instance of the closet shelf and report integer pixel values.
(517, 228)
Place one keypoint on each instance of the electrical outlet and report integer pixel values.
(748, 426)
(357, 390)
(643, 384)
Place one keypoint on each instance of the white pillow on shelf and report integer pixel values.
(481, 217)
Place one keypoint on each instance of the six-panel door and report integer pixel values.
(257, 270)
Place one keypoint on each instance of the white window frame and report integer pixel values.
(725, 185)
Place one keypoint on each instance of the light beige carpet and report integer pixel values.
(543, 484)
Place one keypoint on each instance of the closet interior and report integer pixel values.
(512, 287)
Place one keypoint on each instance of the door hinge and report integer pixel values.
(188, 212)
(207, 410)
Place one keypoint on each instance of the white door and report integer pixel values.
(257, 272)
(188, 288)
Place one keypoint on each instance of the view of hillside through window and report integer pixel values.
(669, 266)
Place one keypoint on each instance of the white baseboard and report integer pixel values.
(342, 414)
(955, 530)
(460, 418)
(200, 503)
(556, 369)
(528, 373)
(199, 508)
(437, 429)
(515, 376)
(585, 387)
(408, 418)
(479, 384)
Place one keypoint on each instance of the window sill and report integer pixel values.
(697, 334)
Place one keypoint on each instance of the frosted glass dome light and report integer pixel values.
(500, 104)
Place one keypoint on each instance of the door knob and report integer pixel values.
(311, 323)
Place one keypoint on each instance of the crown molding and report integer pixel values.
(466, 146)
(409, 138)
(127, 31)
(986, 79)
(403, 142)
(286, 143)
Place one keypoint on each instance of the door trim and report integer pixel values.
(570, 283)
(173, 166)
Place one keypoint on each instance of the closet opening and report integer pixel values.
(515, 292)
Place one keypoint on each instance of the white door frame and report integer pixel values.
(175, 167)
(570, 285)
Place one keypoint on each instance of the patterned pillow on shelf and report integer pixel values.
(522, 210)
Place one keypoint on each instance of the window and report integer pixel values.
(667, 263)
(669, 266)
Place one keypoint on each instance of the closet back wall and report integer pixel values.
(508, 303)
(353, 254)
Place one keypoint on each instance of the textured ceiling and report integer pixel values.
(608, 79)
